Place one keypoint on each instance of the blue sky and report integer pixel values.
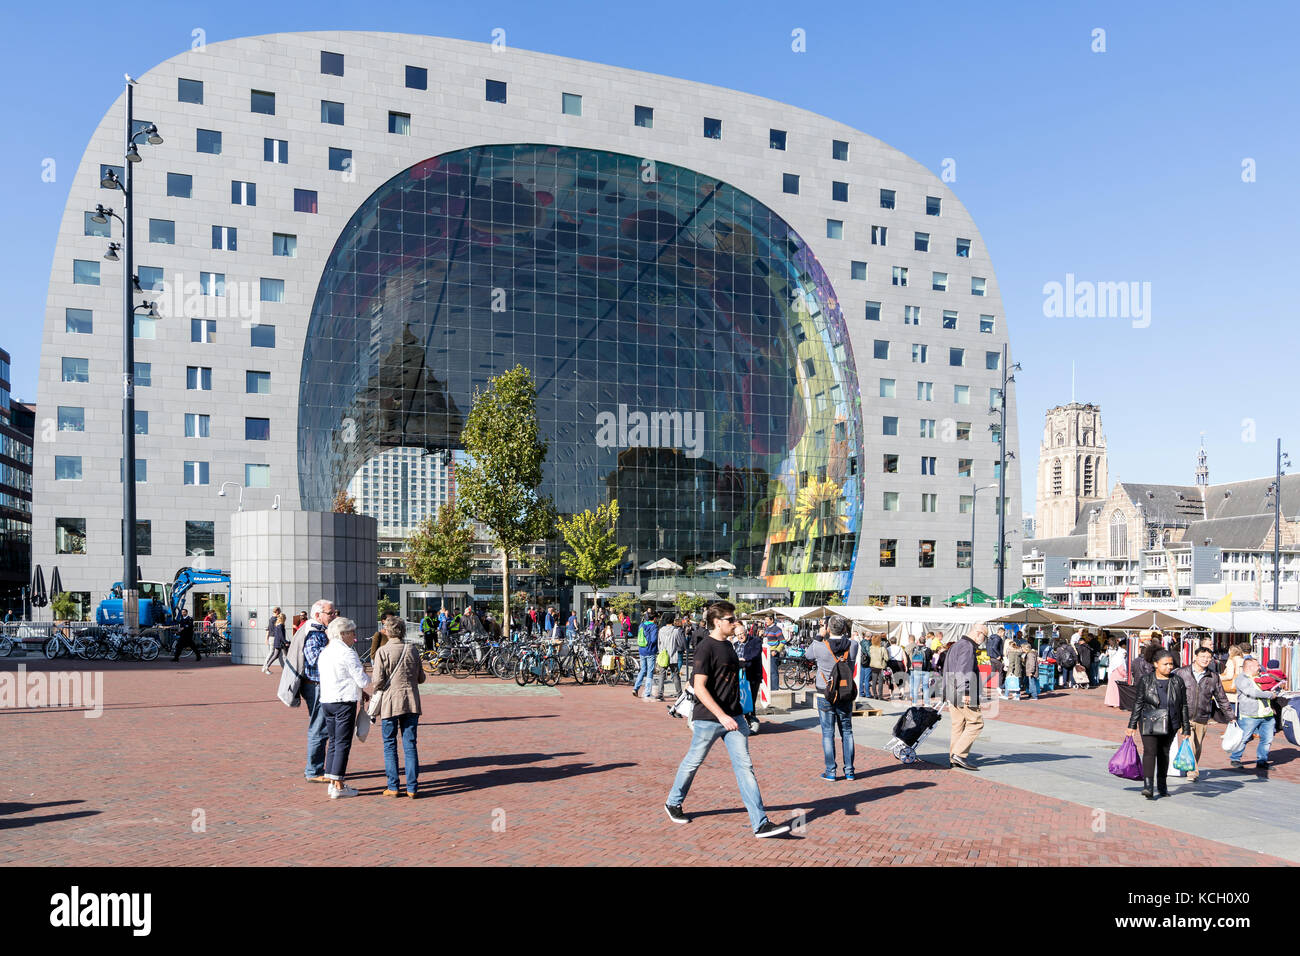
(1115, 166)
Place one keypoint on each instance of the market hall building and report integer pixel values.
(774, 339)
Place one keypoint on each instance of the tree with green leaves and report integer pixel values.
(64, 606)
(440, 550)
(689, 603)
(498, 485)
(387, 606)
(594, 552)
(624, 603)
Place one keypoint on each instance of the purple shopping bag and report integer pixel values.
(1126, 763)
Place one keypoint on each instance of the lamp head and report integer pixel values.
(132, 154)
(111, 254)
(101, 214)
(154, 139)
(110, 181)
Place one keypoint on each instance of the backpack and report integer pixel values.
(840, 685)
(641, 639)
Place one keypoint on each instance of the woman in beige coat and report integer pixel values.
(1231, 669)
(398, 673)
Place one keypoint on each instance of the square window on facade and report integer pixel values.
(840, 192)
(712, 128)
(257, 383)
(262, 102)
(886, 199)
(189, 91)
(925, 554)
(283, 244)
(242, 193)
(925, 391)
(957, 357)
(992, 361)
(200, 538)
(304, 200)
(212, 283)
(80, 321)
(858, 270)
(963, 248)
(927, 428)
(144, 327)
(963, 431)
(198, 379)
(262, 336)
(921, 241)
(69, 535)
(180, 185)
(899, 276)
(197, 426)
(141, 471)
(834, 229)
(257, 429)
(208, 141)
(889, 501)
(938, 281)
(964, 554)
(932, 205)
(399, 123)
(257, 476)
(889, 425)
(961, 394)
(102, 230)
(976, 285)
(887, 387)
(911, 315)
(494, 91)
(873, 312)
(840, 150)
(571, 104)
(141, 423)
(920, 353)
(196, 472)
(986, 323)
(881, 349)
(151, 278)
(225, 237)
(162, 230)
(71, 418)
(790, 183)
(417, 78)
(203, 330)
(776, 139)
(643, 116)
(272, 290)
(929, 500)
(965, 504)
(879, 235)
(275, 150)
(331, 112)
(67, 468)
(143, 377)
(950, 320)
(964, 467)
(85, 272)
(890, 464)
(331, 64)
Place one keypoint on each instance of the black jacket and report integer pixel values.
(1205, 697)
(1146, 708)
(1083, 654)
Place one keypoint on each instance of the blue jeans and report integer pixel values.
(704, 734)
(836, 719)
(645, 674)
(918, 686)
(1264, 726)
(1033, 687)
(316, 734)
(341, 721)
(405, 724)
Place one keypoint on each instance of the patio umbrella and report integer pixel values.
(1028, 597)
(970, 596)
(663, 564)
(39, 597)
(719, 565)
(56, 583)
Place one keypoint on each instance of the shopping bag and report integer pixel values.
(1126, 763)
(1185, 759)
(746, 697)
(1291, 720)
(1013, 684)
(1232, 737)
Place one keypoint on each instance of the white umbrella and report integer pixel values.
(722, 564)
(663, 564)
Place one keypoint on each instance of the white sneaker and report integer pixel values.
(343, 791)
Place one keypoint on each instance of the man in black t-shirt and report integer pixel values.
(716, 683)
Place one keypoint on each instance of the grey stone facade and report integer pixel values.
(452, 113)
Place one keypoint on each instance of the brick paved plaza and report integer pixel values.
(574, 775)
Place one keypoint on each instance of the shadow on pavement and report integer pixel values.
(485, 720)
(507, 776)
(13, 823)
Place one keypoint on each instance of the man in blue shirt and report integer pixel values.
(647, 639)
(322, 612)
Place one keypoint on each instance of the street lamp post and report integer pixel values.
(1003, 455)
(1276, 490)
(974, 496)
(130, 577)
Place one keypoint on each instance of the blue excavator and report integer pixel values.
(160, 603)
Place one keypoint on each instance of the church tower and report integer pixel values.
(1071, 468)
(1202, 469)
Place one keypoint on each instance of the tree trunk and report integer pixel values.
(505, 594)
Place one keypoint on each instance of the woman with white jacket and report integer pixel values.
(343, 684)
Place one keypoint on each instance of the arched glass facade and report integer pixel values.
(689, 351)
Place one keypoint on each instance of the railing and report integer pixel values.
(699, 583)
